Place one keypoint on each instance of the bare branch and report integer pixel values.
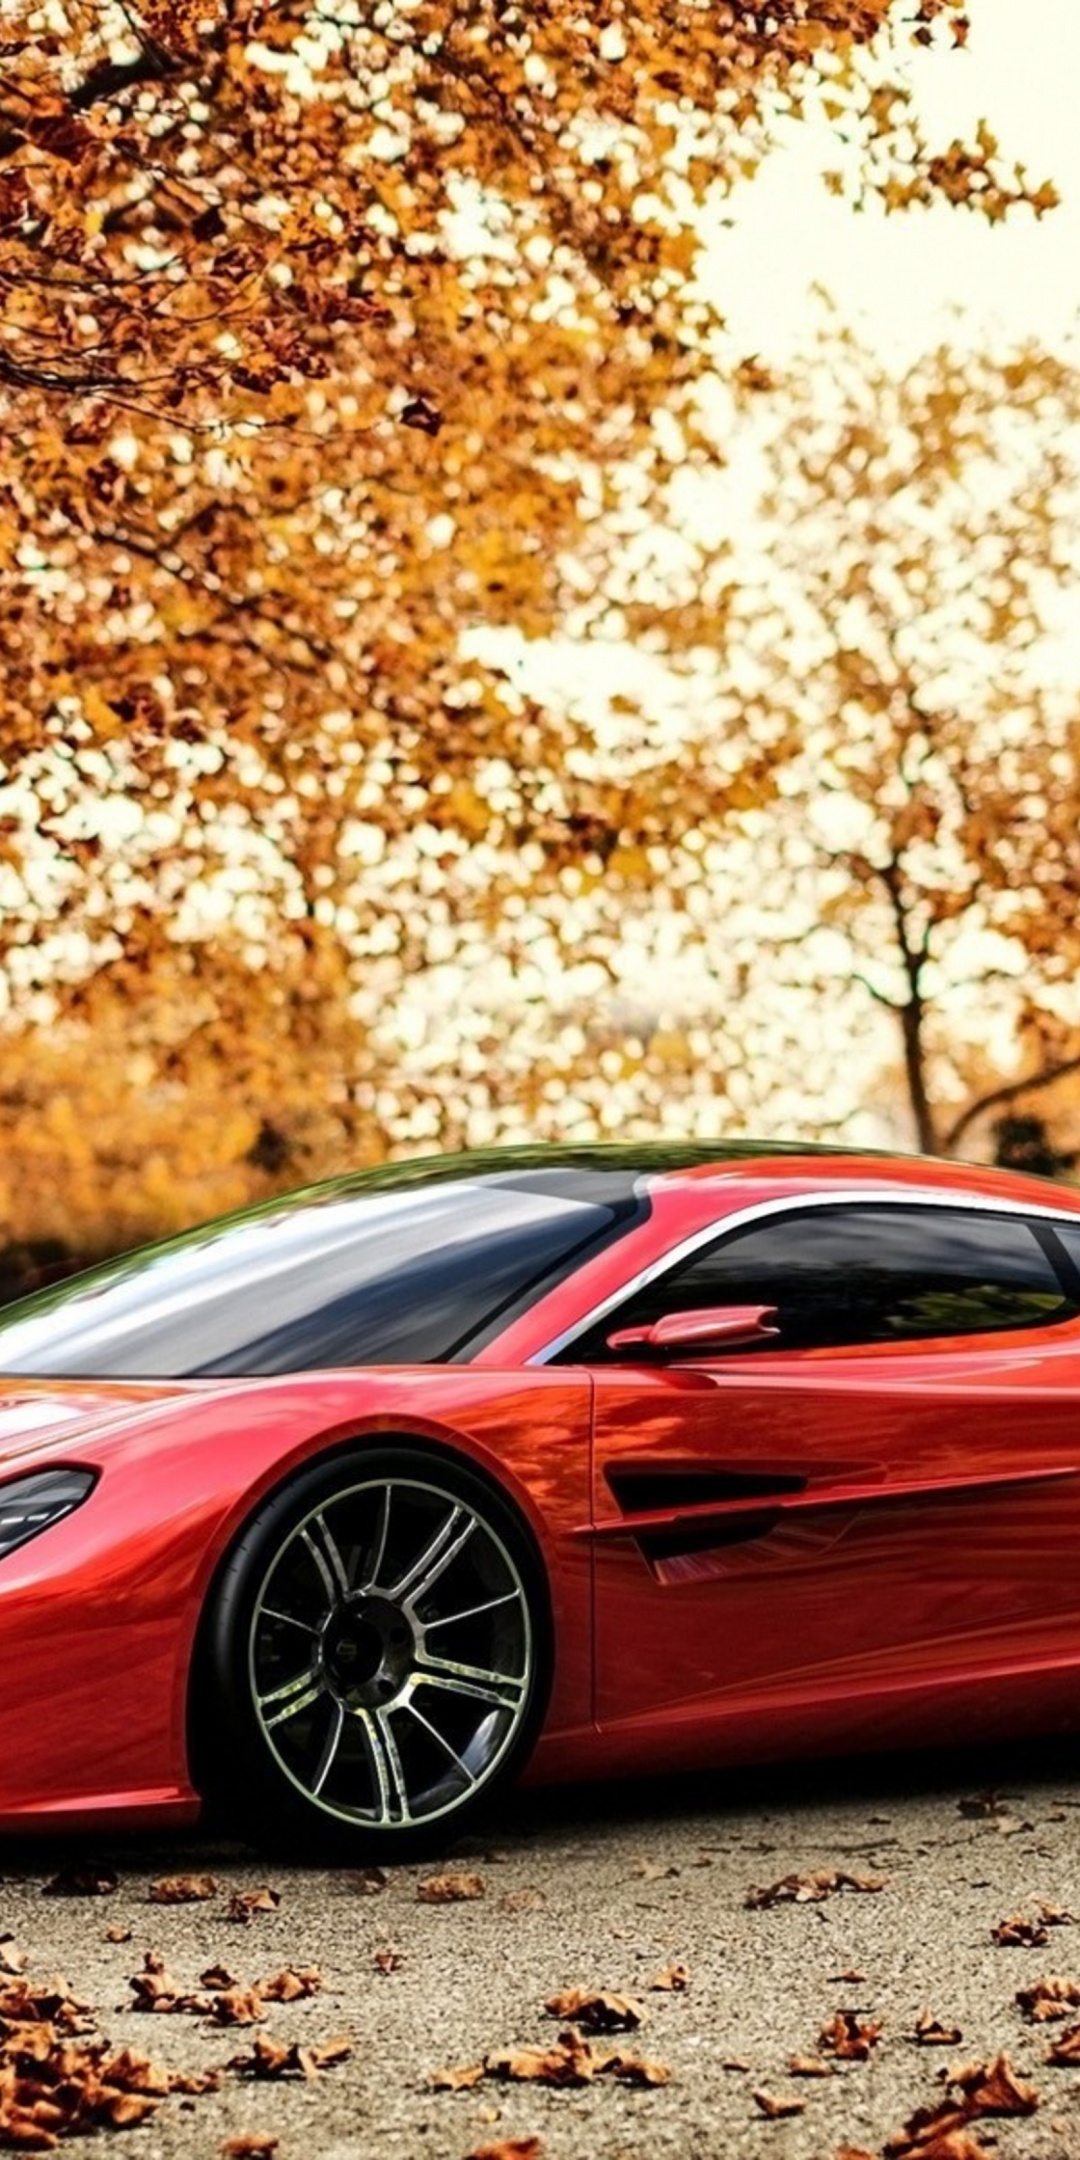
(1009, 1093)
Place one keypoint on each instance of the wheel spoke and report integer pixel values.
(443, 1742)
(479, 1682)
(510, 1597)
(333, 1742)
(435, 1558)
(386, 1764)
(327, 1557)
(270, 1612)
(293, 1696)
(380, 1540)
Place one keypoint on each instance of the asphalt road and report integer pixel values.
(607, 1889)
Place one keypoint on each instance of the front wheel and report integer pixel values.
(376, 1656)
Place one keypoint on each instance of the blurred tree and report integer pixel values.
(912, 631)
(333, 336)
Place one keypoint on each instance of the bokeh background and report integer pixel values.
(540, 588)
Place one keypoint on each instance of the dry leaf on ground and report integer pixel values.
(810, 2066)
(810, 1889)
(250, 2147)
(274, 2058)
(25, 2004)
(388, 1959)
(931, 2032)
(653, 1870)
(993, 2088)
(1064, 2051)
(82, 1879)
(367, 1881)
(244, 1904)
(1017, 1932)
(458, 2080)
(238, 2006)
(775, 2110)
(673, 1980)
(118, 1933)
(450, 1889)
(849, 2037)
(1047, 1999)
(597, 2010)
(527, 1900)
(291, 1984)
(182, 1889)
(573, 2060)
(523, 2148)
(156, 1990)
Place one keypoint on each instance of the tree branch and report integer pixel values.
(1013, 1088)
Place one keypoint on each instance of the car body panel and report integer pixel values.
(98, 1617)
(875, 1556)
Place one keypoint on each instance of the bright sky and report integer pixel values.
(902, 277)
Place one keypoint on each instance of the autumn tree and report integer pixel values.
(337, 337)
(915, 633)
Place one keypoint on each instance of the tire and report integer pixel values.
(375, 1659)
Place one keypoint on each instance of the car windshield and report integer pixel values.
(371, 1270)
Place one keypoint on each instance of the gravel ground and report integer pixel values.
(605, 1888)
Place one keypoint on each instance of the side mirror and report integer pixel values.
(694, 1330)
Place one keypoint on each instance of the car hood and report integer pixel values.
(40, 1413)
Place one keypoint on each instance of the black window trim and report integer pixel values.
(796, 1204)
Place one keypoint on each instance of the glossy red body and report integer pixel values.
(911, 1578)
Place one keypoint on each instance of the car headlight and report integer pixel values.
(31, 1504)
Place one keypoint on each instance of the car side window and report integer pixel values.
(855, 1274)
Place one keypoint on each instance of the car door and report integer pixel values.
(872, 1501)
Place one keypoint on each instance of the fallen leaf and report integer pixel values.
(809, 2066)
(1065, 2049)
(274, 2058)
(367, 1881)
(523, 2148)
(653, 1870)
(1048, 1999)
(810, 1889)
(574, 2061)
(290, 1985)
(673, 1980)
(571, 2061)
(775, 2110)
(635, 2069)
(388, 1959)
(1019, 1933)
(118, 1933)
(12, 1958)
(218, 1976)
(238, 2006)
(849, 2037)
(450, 1889)
(993, 2088)
(939, 2133)
(244, 1904)
(250, 2147)
(930, 2032)
(182, 1889)
(82, 1880)
(597, 2010)
(156, 1990)
(457, 2080)
(513, 1901)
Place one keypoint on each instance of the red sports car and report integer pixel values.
(586, 1460)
